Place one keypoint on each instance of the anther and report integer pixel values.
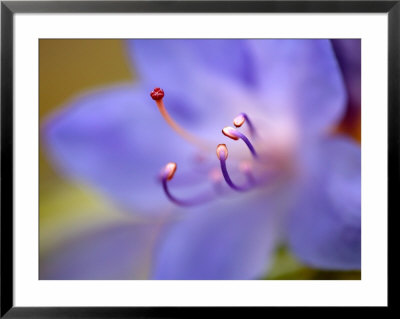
(157, 95)
(230, 132)
(239, 120)
(235, 135)
(222, 151)
(169, 170)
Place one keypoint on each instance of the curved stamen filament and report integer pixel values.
(240, 119)
(235, 135)
(167, 175)
(157, 95)
(222, 154)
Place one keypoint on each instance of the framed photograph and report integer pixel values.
(163, 155)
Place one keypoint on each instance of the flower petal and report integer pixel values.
(211, 78)
(325, 228)
(116, 141)
(300, 78)
(348, 52)
(166, 61)
(231, 239)
(115, 252)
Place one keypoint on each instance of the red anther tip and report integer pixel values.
(157, 94)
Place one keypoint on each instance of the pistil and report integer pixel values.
(157, 95)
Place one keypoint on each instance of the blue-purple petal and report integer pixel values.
(171, 62)
(348, 53)
(325, 226)
(231, 239)
(116, 141)
(114, 252)
(300, 78)
(217, 79)
(208, 79)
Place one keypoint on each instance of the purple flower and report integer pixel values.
(287, 179)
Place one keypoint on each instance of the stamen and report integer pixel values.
(157, 95)
(166, 175)
(239, 120)
(235, 135)
(222, 154)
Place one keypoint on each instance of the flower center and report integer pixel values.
(271, 156)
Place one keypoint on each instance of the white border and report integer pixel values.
(371, 290)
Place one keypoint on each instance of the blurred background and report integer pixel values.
(69, 67)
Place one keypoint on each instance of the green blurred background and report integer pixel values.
(67, 68)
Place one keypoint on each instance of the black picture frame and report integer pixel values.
(9, 8)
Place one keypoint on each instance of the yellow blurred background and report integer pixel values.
(68, 67)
